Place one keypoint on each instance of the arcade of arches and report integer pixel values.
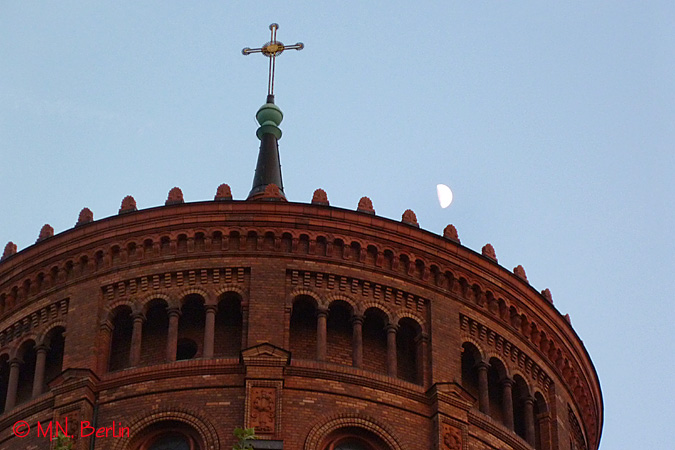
(336, 335)
(25, 376)
(508, 400)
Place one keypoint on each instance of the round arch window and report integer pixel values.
(350, 444)
(172, 441)
(170, 436)
(353, 439)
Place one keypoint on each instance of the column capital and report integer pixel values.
(138, 317)
(173, 311)
(528, 400)
(15, 362)
(422, 337)
(322, 312)
(356, 318)
(41, 348)
(506, 382)
(391, 328)
(482, 365)
(208, 308)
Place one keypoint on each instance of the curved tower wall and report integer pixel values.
(314, 324)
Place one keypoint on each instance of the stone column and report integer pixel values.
(136, 339)
(392, 369)
(357, 341)
(172, 334)
(209, 330)
(40, 362)
(483, 393)
(104, 351)
(244, 325)
(13, 383)
(507, 402)
(422, 352)
(529, 420)
(321, 316)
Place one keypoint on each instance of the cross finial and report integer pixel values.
(272, 49)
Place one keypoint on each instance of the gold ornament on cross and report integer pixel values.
(272, 49)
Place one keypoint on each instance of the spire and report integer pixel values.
(269, 116)
(268, 168)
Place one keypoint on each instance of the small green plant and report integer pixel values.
(63, 442)
(243, 435)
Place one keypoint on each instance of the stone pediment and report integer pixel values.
(265, 354)
(452, 393)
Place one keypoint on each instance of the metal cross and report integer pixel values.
(272, 49)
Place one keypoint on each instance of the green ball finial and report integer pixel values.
(269, 116)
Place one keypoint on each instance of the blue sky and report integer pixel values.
(553, 123)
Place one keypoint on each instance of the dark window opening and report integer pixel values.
(185, 349)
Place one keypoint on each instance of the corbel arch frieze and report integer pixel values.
(32, 323)
(205, 231)
(495, 345)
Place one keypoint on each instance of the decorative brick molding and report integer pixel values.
(493, 344)
(359, 293)
(181, 282)
(150, 416)
(34, 325)
(263, 407)
(326, 425)
(576, 431)
(451, 436)
(489, 425)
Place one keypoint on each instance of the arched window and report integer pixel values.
(191, 326)
(168, 435)
(374, 341)
(303, 328)
(155, 331)
(120, 341)
(4, 378)
(353, 438)
(172, 441)
(408, 351)
(27, 355)
(470, 359)
(339, 333)
(228, 326)
(350, 444)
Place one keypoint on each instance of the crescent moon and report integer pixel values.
(444, 195)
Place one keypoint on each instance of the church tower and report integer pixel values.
(320, 327)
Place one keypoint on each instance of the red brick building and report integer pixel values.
(322, 327)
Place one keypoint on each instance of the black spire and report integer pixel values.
(268, 168)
